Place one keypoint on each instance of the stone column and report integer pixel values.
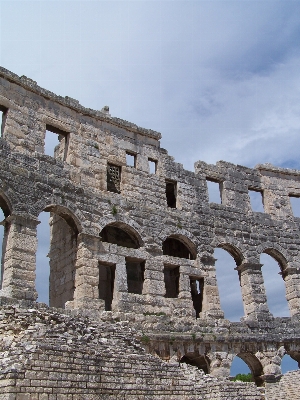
(120, 296)
(291, 276)
(154, 284)
(220, 363)
(211, 306)
(253, 291)
(270, 360)
(86, 294)
(19, 258)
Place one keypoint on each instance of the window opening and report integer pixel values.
(106, 284)
(115, 235)
(197, 285)
(152, 166)
(2, 217)
(171, 278)
(295, 204)
(175, 248)
(275, 286)
(135, 275)
(56, 257)
(289, 364)
(228, 285)
(256, 200)
(113, 178)
(3, 114)
(196, 360)
(171, 193)
(214, 191)
(131, 160)
(246, 367)
(56, 142)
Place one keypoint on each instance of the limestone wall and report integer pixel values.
(141, 225)
(49, 355)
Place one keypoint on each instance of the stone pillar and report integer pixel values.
(154, 284)
(19, 259)
(86, 294)
(120, 295)
(291, 276)
(253, 291)
(270, 360)
(220, 363)
(211, 306)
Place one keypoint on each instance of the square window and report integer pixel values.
(171, 278)
(171, 193)
(131, 160)
(214, 191)
(295, 204)
(56, 142)
(3, 113)
(256, 200)
(113, 178)
(152, 166)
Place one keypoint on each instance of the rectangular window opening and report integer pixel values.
(135, 275)
(214, 191)
(131, 160)
(152, 166)
(56, 142)
(171, 278)
(106, 284)
(197, 285)
(256, 200)
(295, 204)
(171, 193)
(113, 178)
(3, 114)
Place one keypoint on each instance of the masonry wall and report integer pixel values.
(88, 187)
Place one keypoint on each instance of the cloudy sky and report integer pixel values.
(219, 79)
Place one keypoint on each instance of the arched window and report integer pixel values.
(273, 265)
(121, 234)
(245, 364)
(289, 363)
(228, 282)
(4, 229)
(197, 360)
(56, 256)
(179, 247)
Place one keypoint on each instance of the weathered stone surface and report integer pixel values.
(134, 245)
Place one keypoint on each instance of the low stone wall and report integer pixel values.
(47, 355)
(287, 388)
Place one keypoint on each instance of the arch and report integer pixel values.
(5, 204)
(274, 253)
(290, 362)
(121, 234)
(233, 251)
(255, 366)
(66, 214)
(195, 359)
(61, 254)
(179, 246)
(277, 252)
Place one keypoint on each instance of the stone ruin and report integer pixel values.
(134, 309)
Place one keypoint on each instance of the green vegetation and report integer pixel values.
(243, 377)
(145, 339)
(114, 210)
(158, 314)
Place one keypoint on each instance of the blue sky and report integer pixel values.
(219, 79)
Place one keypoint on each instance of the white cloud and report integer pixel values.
(219, 79)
